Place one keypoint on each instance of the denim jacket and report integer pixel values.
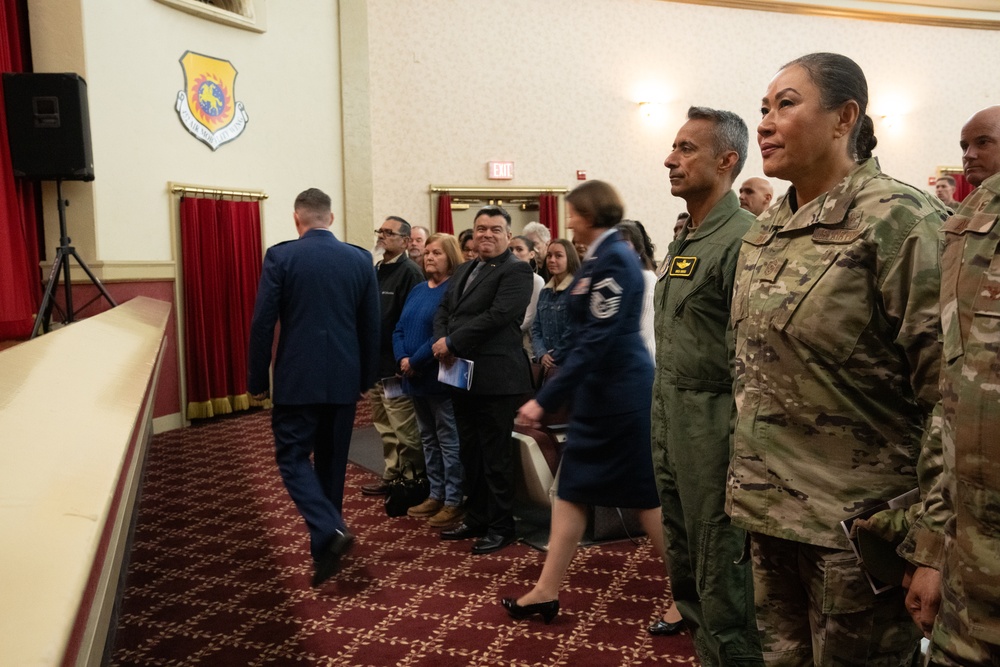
(550, 331)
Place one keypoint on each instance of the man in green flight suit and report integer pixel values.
(692, 391)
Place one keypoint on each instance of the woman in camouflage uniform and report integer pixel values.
(836, 330)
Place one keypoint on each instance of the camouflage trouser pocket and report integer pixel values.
(845, 588)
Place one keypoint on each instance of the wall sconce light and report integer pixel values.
(890, 111)
(890, 121)
(652, 111)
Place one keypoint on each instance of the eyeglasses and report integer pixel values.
(387, 232)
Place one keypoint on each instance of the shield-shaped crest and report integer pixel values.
(207, 106)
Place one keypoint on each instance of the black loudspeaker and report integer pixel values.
(48, 125)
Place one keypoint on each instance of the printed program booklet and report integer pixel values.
(393, 387)
(458, 374)
(878, 558)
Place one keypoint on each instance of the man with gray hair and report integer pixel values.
(540, 235)
(418, 239)
(692, 392)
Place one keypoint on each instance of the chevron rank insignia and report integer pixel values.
(682, 267)
(605, 299)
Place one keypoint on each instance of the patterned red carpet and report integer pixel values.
(220, 576)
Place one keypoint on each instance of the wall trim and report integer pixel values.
(257, 22)
(168, 423)
(942, 13)
(119, 271)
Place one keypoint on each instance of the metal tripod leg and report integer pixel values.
(63, 253)
(45, 309)
(90, 274)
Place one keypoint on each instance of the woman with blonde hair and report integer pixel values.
(411, 344)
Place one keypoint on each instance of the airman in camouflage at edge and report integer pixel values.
(836, 326)
(967, 629)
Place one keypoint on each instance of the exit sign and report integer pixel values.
(500, 171)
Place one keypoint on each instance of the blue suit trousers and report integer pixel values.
(316, 487)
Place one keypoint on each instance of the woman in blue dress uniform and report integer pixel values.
(607, 377)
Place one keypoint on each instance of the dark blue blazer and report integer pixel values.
(325, 295)
(607, 370)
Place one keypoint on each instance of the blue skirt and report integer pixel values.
(607, 461)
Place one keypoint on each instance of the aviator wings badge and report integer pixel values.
(206, 106)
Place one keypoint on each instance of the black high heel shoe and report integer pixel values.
(665, 628)
(547, 610)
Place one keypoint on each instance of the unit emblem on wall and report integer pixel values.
(207, 106)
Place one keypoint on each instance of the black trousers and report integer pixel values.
(486, 450)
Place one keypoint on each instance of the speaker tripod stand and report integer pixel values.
(63, 253)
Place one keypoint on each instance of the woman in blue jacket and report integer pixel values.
(411, 344)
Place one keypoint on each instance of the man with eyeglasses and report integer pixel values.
(480, 320)
(394, 418)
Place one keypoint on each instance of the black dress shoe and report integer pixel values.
(547, 610)
(492, 542)
(662, 628)
(377, 489)
(463, 532)
(328, 561)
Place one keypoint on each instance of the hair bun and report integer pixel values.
(866, 141)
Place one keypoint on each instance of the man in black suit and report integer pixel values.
(324, 294)
(480, 320)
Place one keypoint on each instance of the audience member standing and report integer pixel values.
(394, 418)
(480, 320)
(607, 377)
(755, 195)
(411, 344)
(836, 320)
(682, 221)
(635, 235)
(540, 235)
(967, 629)
(944, 188)
(524, 249)
(418, 240)
(325, 296)
(692, 392)
(551, 333)
(468, 245)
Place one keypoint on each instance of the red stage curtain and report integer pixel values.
(20, 278)
(221, 254)
(444, 223)
(548, 213)
(962, 186)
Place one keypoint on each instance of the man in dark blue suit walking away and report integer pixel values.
(325, 296)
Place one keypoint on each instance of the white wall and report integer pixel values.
(288, 79)
(554, 86)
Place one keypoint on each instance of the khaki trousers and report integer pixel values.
(396, 422)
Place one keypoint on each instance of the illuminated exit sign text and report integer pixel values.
(500, 171)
